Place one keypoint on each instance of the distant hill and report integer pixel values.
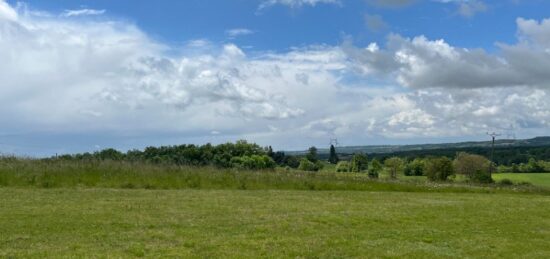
(382, 149)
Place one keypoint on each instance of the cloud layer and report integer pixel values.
(107, 78)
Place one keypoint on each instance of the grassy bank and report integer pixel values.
(108, 174)
(231, 223)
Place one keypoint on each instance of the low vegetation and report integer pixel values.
(121, 223)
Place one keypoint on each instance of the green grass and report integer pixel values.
(74, 222)
(108, 174)
(538, 179)
(62, 209)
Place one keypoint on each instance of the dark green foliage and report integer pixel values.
(109, 154)
(291, 161)
(240, 154)
(333, 157)
(503, 155)
(253, 162)
(533, 166)
(438, 168)
(506, 182)
(307, 165)
(359, 163)
(415, 168)
(312, 155)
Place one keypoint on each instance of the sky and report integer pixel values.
(79, 76)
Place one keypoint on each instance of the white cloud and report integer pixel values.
(6, 12)
(423, 63)
(233, 33)
(82, 12)
(296, 3)
(111, 80)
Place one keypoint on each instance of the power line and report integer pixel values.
(493, 136)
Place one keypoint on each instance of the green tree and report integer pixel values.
(312, 154)
(394, 165)
(374, 168)
(415, 168)
(475, 167)
(333, 157)
(359, 163)
(439, 168)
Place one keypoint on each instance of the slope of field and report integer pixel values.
(540, 179)
(77, 222)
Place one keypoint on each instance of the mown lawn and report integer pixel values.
(99, 222)
(537, 179)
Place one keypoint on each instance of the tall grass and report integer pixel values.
(115, 174)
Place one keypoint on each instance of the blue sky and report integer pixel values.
(278, 28)
(85, 75)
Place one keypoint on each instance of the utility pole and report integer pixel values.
(493, 136)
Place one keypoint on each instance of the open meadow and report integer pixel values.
(73, 222)
(114, 209)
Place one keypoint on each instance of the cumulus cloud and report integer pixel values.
(82, 12)
(110, 81)
(6, 12)
(423, 63)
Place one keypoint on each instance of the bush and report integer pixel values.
(291, 161)
(394, 165)
(306, 165)
(482, 177)
(253, 162)
(439, 168)
(359, 163)
(415, 168)
(343, 166)
(475, 167)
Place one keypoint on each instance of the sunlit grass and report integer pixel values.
(60, 223)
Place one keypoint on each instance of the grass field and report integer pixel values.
(117, 209)
(540, 179)
(270, 223)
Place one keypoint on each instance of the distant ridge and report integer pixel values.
(381, 149)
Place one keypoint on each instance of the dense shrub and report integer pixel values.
(415, 168)
(475, 167)
(359, 163)
(253, 162)
(343, 166)
(438, 168)
(306, 165)
(240, 154)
